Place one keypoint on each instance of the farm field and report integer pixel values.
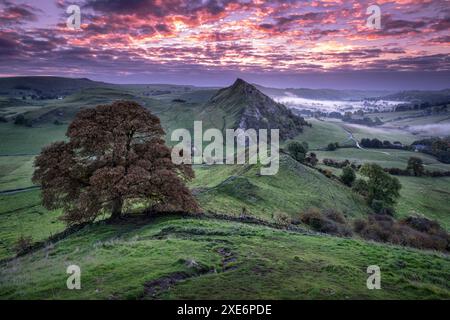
(387, 158)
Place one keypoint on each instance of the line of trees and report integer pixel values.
(416, 168)
(378, 144)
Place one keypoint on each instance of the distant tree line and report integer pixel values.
(359, 118)
(437, 147)
(340, 164)
(416, 168)
(432, 107)
(378, 144)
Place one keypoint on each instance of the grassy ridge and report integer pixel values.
(294, 188)
(118, 260)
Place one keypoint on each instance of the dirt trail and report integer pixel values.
(154, 288)
(352, 138)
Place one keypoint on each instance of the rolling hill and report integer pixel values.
(295, 188)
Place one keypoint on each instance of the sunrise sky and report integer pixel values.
(316, 44)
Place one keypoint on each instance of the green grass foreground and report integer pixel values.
(120, 261)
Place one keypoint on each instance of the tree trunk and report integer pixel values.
(116, 211)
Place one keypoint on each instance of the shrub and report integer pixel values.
(326, 172)
(298, 150)
(282, 218)
(414, 232)
(334, 215)
(348, 176)
(329, 221)
(23, 244)
(359, 225)
(312, 159)
(3, 119)
(331, 147)
(377, 205)
(20, 120)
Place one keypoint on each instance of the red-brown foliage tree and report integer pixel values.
(115, 156)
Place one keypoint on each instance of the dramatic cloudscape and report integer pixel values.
(318, 43)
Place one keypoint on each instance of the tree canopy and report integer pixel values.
(115, 157)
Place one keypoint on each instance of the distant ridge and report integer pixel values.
(46, 86)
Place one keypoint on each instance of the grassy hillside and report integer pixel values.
(228, 189)
(16, 172)
(426, 196)
(423, 195)
(22, 214)
(220, 260)
(322, 133)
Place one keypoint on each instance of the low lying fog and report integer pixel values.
(335, 105)
(431, 129)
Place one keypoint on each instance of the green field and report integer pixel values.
(16, 172)
(381, 133)
(322, 133)
(387, 158)
(23, 140)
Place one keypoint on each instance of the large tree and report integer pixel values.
(115, 157)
